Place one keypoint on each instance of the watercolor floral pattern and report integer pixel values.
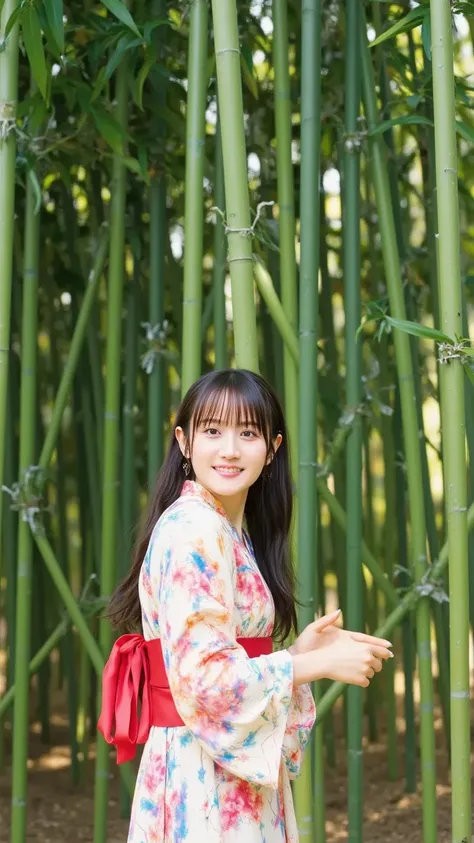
(223, 777)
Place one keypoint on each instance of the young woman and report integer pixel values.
(225, 719)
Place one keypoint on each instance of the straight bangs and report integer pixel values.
(235, 401)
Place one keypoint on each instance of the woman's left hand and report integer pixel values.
(310, 638)
(322, 632)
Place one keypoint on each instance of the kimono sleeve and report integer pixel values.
(235, 706)
(301, 719)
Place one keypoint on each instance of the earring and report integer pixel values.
(268, 471)
(186, 467)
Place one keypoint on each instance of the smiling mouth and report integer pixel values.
(231, 472)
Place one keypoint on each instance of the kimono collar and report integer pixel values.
(190, 487)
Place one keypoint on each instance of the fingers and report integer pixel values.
(381, 652)
(378, 649)
(326, 620)
(371, 639)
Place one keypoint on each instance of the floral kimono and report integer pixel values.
(224, 776)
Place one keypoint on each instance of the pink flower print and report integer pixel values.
(242, 800)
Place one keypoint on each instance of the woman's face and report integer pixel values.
(227, 458)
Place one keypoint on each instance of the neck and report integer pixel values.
(234, 506)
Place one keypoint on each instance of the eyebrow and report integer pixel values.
(219, 421)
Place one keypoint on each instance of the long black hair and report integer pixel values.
(233, 396)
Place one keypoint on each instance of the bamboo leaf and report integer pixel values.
(150, 25)
(121, 12)
(33, 178)
(141, 78)
(33, 41)
(468, 350)
(12, 20)
(116, 57)
(469, 373)
(465, 130)
(414, 18)
(426, 36)
(405, 120)
(54, 16)
(108, 127)
(417, 330)
(248, 72)
(135, 167)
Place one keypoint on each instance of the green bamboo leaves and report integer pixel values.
(121, 12)
(54, 16)
(449, 349)
(33, 41)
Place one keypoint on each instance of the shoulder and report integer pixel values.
(189, 519)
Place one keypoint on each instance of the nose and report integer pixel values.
(229, 445)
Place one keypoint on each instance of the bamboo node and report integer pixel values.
(7, 119)
(156, 337)
(227, 50)
(27, 497)
(460, 695)
(452, 351)
(245, 232)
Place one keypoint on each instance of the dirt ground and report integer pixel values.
(58, 811)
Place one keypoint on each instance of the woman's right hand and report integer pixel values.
(353, 660)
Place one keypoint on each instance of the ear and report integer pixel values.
(182, 442)
(276, 444)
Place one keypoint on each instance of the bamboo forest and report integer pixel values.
(285, 186)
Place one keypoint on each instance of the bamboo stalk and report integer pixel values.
(332, 404)
(10, 533)
(390, 551)
(156, 379)
(452, 413)
(408, 636)
(226, 40)
(220, 324)
(8, 103)
(307, 793)
(408, 602)
(351, 270)
(413, 459)
(81, 624)
(286, 210)
(74, 353)
(25, 543)
(129, 483)
(110, 493)
(276, 309)
(43, 653)
(156, 307)
(194, 211)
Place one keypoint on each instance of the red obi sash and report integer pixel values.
(135, 672)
